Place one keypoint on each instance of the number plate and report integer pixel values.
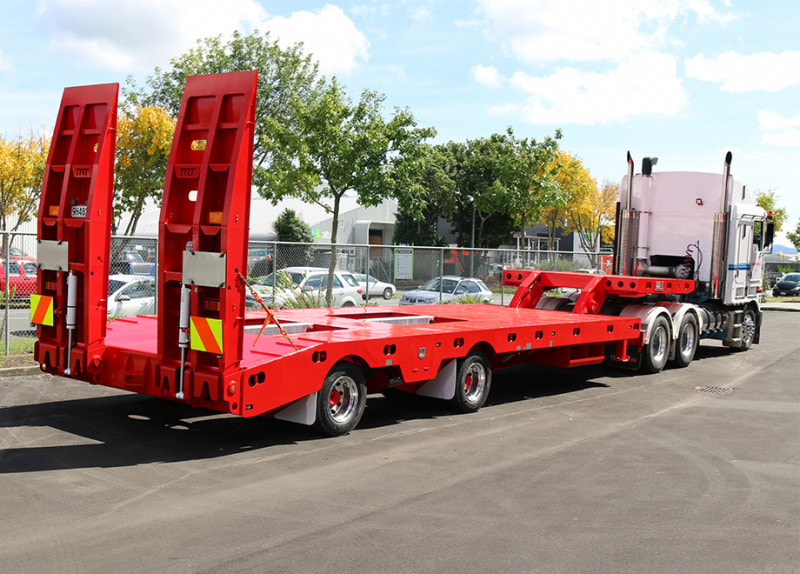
(78, 211)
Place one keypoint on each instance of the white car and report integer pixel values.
(131, 295)
(293, 281)
(451, 288)
(374, 287)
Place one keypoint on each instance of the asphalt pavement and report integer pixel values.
(582, 470)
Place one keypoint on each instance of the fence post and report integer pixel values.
(6, 329)
(274, 263)
(441, 271)
(155, 299)
(366, 272)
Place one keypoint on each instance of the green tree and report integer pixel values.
(766, 199)
(794, 236)
(290, 228)
(501, 182)
(144, 139)
(483, 199)
(286, 77)
(339, 146)
(436, 177)
(532, 170)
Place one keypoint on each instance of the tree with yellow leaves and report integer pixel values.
(22, 164)
(590, 214)
(144, 139)
(575, 184)
(586, 210)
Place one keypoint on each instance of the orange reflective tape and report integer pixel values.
(42, 310)
(205, 335)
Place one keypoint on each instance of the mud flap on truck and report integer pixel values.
(759, 322)
(302, 411)
(443, 386)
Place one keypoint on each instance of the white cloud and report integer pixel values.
(328, 34)
(645, 84)
(133, 35)
(486, 76)
(128, 35)
(420, 14)
(763, 72)
(587, 30)
(779, 131)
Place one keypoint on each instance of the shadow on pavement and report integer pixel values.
(129, 429)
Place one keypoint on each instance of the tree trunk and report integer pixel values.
(334, 250)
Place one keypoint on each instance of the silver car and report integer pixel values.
(451, 288)
(131, 295)
(291, 282)
(375, 288)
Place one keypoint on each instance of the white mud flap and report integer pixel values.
(302, 411)
(444, 385)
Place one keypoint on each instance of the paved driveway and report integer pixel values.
(587, 470)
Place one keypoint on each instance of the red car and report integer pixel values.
(21, 275)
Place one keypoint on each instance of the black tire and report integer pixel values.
(686, 343)
(348, 304)
(387, 293)
(341, 401)
(656, 352)
(473, 383)
(749, 327)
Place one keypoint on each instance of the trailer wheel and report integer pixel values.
(656, 352)
(686, 344)
(749, 326)
(341, 401)
(473, 382)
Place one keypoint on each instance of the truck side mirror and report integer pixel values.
(769, 235)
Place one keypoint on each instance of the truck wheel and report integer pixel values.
(748, 330)
(656, 352)
(473, 382)
(686, 344)
(341, 401)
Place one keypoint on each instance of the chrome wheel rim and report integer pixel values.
(343, 399)
(474, 382)
(688, 338)
(658, 345)
(748, 328)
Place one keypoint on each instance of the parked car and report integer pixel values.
(291, 282)
(131, 295)
(20, 274)
(374, 287)
(132, 263)
(789, 284)
(452, 288)
(17, 253)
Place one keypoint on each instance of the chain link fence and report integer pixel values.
(289, 275)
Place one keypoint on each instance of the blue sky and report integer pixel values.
(684, 80)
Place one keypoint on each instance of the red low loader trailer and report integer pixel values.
(311, 366)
